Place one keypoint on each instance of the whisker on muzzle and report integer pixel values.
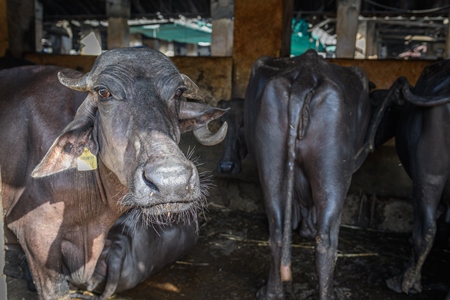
(142, 216)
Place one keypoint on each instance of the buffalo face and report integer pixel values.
(132, 119)
(234, 147)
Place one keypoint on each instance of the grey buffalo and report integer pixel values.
(309, 125)
(419, 118)
(79, 152)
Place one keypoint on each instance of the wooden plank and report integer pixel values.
(384, 72)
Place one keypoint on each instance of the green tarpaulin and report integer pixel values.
(201, 33)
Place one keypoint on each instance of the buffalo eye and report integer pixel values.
(103, 93)
(179, 92)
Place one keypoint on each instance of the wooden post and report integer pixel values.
(346, 27)
(260, 28)
(21, 22)
(118, 12)
(4, 43)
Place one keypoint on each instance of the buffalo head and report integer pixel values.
(131, 119)
(234, 147)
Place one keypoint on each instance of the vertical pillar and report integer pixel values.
(361, 40)
(152, 43)
(447, 40)
(4, 43)
(118, 12)
(222, 37)
(20, 20)
(192, 49)
(38, 27)
(222, 27)
(346, 27)
(260, 28)
(371, 40)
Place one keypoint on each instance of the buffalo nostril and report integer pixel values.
(226, 167)
(149, 183)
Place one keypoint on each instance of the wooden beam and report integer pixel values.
(4, 42)
(347, 27)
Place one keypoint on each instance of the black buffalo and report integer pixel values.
(419, 118)
(234, 148)
(306, 124)
(133, 252)
(128, 112)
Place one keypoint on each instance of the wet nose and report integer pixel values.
(226, 167)
(148, 181)
(171, 180)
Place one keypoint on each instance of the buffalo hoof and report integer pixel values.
(262, 294)
(402, 284)
(286, 294)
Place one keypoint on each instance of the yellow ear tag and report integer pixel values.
(86, 161)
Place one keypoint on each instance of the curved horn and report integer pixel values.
(207, 138)
(78, 84)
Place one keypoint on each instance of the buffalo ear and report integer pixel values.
(77, 136)
(193, 91)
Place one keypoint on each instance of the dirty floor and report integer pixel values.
(231, 261)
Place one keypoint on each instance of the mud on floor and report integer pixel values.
(231, 261)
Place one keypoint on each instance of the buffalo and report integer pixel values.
(234, 148)
(309, 125)
(419, 119)
(79, 150)
(133, 252)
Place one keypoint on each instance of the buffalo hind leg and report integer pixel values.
(274, 287)
(273, 199)
(425, 202)
(326, 243)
